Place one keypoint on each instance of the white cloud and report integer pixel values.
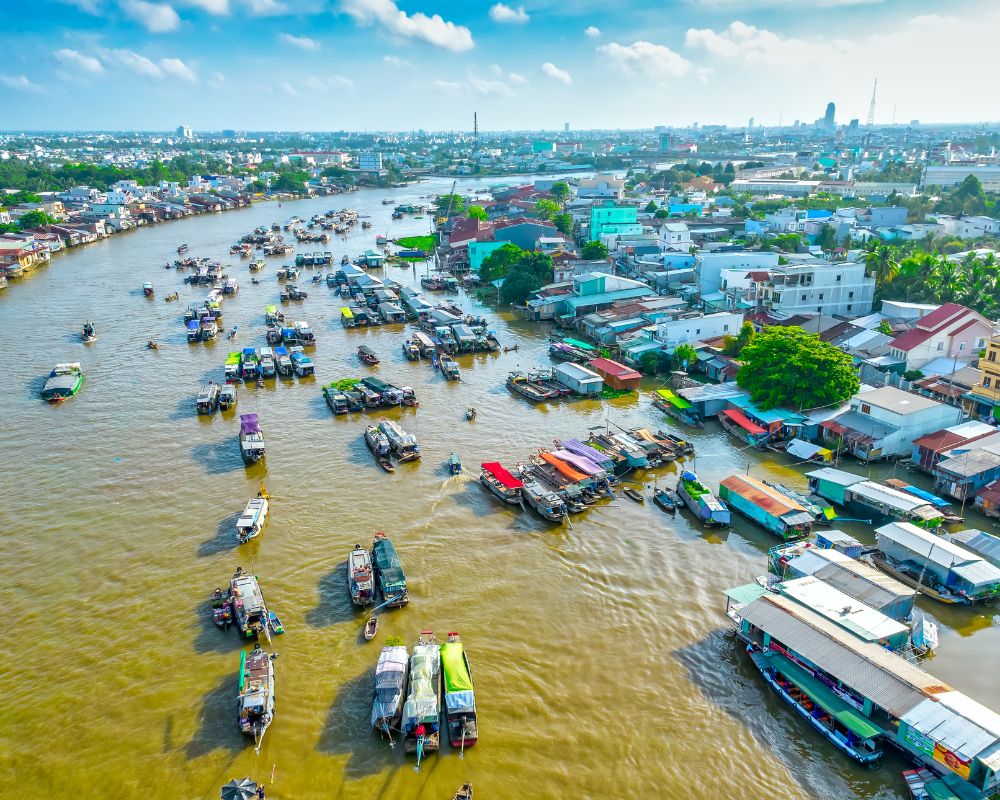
(217, 7)
(217, 80)
(78, 61)
(154, 17)
(592, 31)
(433, 30)
(175, 68)
(646, 59)
(342, 82)
(133, 62)
(448, 87)
(317, 84)
(507, 14)
(396, 61)
(266, 8)
(301, 42)
(490, 88)
(288, 89)
(517, 78)
(20, 83)
(87, 6)
(553, 71)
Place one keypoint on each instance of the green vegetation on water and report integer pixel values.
(425, 243)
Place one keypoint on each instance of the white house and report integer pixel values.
(883, 423)
(951, 331)
(709, 265)
(696, 327)
(674, 236)
(601, 186)
(810, 284)
(971, 227)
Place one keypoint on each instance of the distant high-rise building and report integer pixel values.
(853, 126)
(184, 132)
(750, 123)
(229, 133)
(829, 119)
(566, 127)
(370, 161)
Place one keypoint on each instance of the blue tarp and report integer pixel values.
(193, 325)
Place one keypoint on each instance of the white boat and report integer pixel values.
(390, 682)
(251, 521)
(255, 701)
(403, 444)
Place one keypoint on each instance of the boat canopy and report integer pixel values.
(578, 344)
(502, 475)
(249, 424)
(281, 351)
(741, 419)
(233, 358)
(585, 450)
(422, 706)
(565, 469)
(193, 325)
(346, 313)
(272, 309)
(673, 399)
(457, 680)
(581, 463)
(249, 352)
(390, 676)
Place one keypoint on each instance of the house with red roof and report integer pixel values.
(950, 331)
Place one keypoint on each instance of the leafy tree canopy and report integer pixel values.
(594, 251)
(546, 208)
(560, 190)
(791, 368)
(476, 212)
(35, 219)
(455, 201)
(563, 223)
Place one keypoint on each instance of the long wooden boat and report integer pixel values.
(529, 389)
(676, 407)
(459, 694)
(743, 428)
(251, 521)
(256, 693)
(252, 447)
(65, 380)
(367, 355)
(500, 482)
(249, 610)
(421, 721)
(881, 561)
(390, 690)
(360, 577)
(389, 572)
(703, 504)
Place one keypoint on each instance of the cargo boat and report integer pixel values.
(389, 572)
(500, 482)
(421, 721)
(65, 380)
(251, 439)
(765, 505)
(256, 693)
(703, 504)
(390, 689)
(459, 696)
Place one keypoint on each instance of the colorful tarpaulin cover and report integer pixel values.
(579, 462)
(457, 680)
(233, 358)
(390, 676)
(421, 706)
(802, 449)
(271, 310)
(578, 344)
(193, 325)
(502, 475)
(248, 423)
(673, 399)
(564, 468)
(585, 450)
(741, 419)
(281, 351)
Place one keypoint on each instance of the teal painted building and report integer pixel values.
(610, 219)
(480, 251)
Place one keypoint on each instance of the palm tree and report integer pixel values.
(882, 264)
(947, 281)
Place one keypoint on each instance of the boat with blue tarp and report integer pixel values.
(703, 504)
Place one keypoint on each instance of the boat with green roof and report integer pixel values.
(676, 407)
(709, 509)
(65, 380)
(459, 695)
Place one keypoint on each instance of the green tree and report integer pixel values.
(885, 328)
(560, 191)
(734, 344)
(728, 174)
(649, 362)
(788, 367)
(563, 223)
(35, 219)
(546, 208)
(8, 227)
(651, 207)
(594, 251)
(684, 356)
(882, 264)
(788, 242)
(500, 262)
(661, 213)
(530, 272)
(476, 212)
(827, 238)
(455, 202)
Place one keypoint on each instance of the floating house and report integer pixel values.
(766, 506)
(914, 554)
(870, 499)
(578, 378)
(983, 544)
(860, 696)
(616, 375)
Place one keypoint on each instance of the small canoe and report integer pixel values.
(455, 464)
(662, 498)
(465, 793)
(386, 464)
(275, 623)
(632, 494)
(371, 628)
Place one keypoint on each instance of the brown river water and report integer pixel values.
(602, 659)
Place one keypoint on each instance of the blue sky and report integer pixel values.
(407, 64)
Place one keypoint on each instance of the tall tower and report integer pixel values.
(871, 107)
(830, 118)
(475, 130)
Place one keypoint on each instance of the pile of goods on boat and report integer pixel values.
(64, 381)
(390, 444)
(354, 394)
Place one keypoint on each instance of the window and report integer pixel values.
(725, 327)
(980, 344)
(803, 297)
(697, 331)
(820, 295)
(850, 306)
(991, 356)
(850, 294)
(866, 409)
(986, 383)
(961, 346)
(838, 278)
(940, 345)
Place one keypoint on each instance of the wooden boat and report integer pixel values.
(275, 623)
(422, 710)
(208, 398)
(547, 504)
(89, 333)
(464, 793)
(529, 389)
(181, 249)
(390, 689)
(65, 380)
(500, 482)
(470, 414)
(251, 521)
(743, 428)
(666, 500)
(222, 608)
(251, 439)
(371, 628)
(459, 695)
(367, 355)
(147, 289)
(703, 504)
(378, 443)
(302, 364)
(632, 494)
(249, 610)
(454, 464)
(360, 578)
(227, 397)
(404, 445)
(255, 700)
(901, 573)
(449, 368)
(389, 572)
(410, 350)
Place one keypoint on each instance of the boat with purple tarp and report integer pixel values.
(251, 439)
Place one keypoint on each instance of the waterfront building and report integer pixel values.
(983, 400)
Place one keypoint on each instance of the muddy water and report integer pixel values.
(601, 658)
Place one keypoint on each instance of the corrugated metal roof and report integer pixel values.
(762, 495)
(888, 680)
(746, 593)
(960, 724)
(836, 476)
(979, 542)
(936, 549)
(711, 391)
(877, 493)
(842, 609)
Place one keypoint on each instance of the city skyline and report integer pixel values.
(384, 65)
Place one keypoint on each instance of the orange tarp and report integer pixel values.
(564, 468)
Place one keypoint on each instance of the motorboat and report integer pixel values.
(251, 521)
(64, 381)
(360, 578)
(208, 398)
